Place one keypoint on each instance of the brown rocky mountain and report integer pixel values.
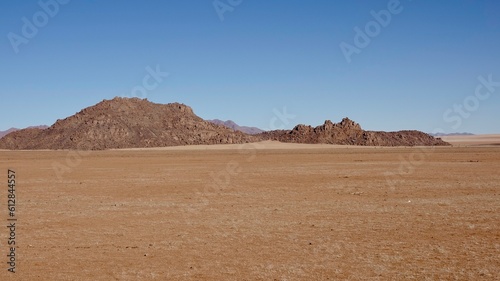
(230, 124)
(136, 123)
(348, 132)
(125, 123)
(4, 133)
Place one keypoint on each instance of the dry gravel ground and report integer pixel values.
(279, 212)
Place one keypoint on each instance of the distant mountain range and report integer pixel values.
(230, 124)
(450, 134)
(4, 133)
(139, 123)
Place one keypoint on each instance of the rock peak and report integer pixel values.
(126, 123)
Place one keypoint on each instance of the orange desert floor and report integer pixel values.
(265, 211)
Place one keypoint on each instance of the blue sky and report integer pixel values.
(249, 62)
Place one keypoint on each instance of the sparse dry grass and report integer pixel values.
(284, 214)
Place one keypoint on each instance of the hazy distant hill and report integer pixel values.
(451, 134)
(4, 133)
(236, 127)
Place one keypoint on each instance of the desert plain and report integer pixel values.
(264, 211)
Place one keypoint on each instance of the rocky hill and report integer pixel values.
(230, 124)
(136, 123)
(125, 123)
(347, 132)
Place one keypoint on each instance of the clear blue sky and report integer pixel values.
(263, 56)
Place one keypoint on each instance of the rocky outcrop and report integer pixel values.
(136, 123)
(348, 132)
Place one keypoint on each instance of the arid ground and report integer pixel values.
(264, 211)
(474, 140)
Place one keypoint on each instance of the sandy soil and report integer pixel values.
(274, 213)
(264, 145)
(474, 140)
